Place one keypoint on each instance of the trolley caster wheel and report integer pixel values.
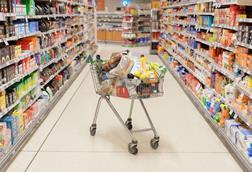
(132, 147)
(128, 124)
(154, 143)
(92, 129)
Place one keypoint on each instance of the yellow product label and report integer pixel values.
(138, 74)
(142, 77)
(2, 101)
(250, 82)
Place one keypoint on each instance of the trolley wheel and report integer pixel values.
(132, 147)
(154, 143)
(128, 124)
(92, 129)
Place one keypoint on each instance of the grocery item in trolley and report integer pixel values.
(129, 77)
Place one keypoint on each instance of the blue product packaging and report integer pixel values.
(12, 124)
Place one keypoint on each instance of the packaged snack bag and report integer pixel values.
(114, 61)
(123, 68)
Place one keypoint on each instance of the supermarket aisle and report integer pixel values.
(63, 142)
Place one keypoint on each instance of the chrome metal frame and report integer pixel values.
(130, 132)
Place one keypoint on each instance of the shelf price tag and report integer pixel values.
(5, 42)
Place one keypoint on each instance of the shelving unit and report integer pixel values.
(143, 26)
(33, 78)
(220, 132)
(212, 69)
(155, 30)
(129, 28)
(109, 27)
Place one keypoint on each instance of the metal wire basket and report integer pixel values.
(123, 87)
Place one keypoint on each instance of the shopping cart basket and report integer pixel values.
(131, 89)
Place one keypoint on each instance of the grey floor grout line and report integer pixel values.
(126, 152)
(56, 122)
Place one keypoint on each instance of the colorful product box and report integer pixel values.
(5, 136)
(12, 124)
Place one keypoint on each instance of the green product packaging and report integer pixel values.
(30, 7)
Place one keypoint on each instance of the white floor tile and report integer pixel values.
(21, 162)
(193, 135)
(123, 162)
(41, 134)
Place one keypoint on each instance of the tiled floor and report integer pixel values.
(63, 142)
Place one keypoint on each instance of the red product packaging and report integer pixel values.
(122, 92)
(234, 11)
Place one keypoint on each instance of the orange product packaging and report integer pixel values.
(249, 62)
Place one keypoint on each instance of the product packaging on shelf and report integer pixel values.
(5, 136)
(12, 124)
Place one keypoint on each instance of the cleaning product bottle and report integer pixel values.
(131, 85)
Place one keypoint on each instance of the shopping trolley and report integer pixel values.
(133, 89)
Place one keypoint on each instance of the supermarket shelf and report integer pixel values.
(202, 54)
(54, 75)
(246, 91)
(188, 34)
(233, 2)
(71, 2)
(244, 45)
(204, 42)
(56, 44)
(16, 60)
(181, 43)
(3, 16)
(238, 114)
(54, 30)
(17, 79)
(245, 20)
(227, 73)
(43, 16)
(199, 14)
(209, 29)
(238, 156)
(181, 61)
(15, 38)
(55, 60)
(17, 101)
(226, 27)
(182, 4)
(7, 158)
(216, 44)
(74, 45)
(179, 23)
(187, 4)
(245, 70)
(61, 69)
(178, 14)
(31, 103)
(184, 33)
